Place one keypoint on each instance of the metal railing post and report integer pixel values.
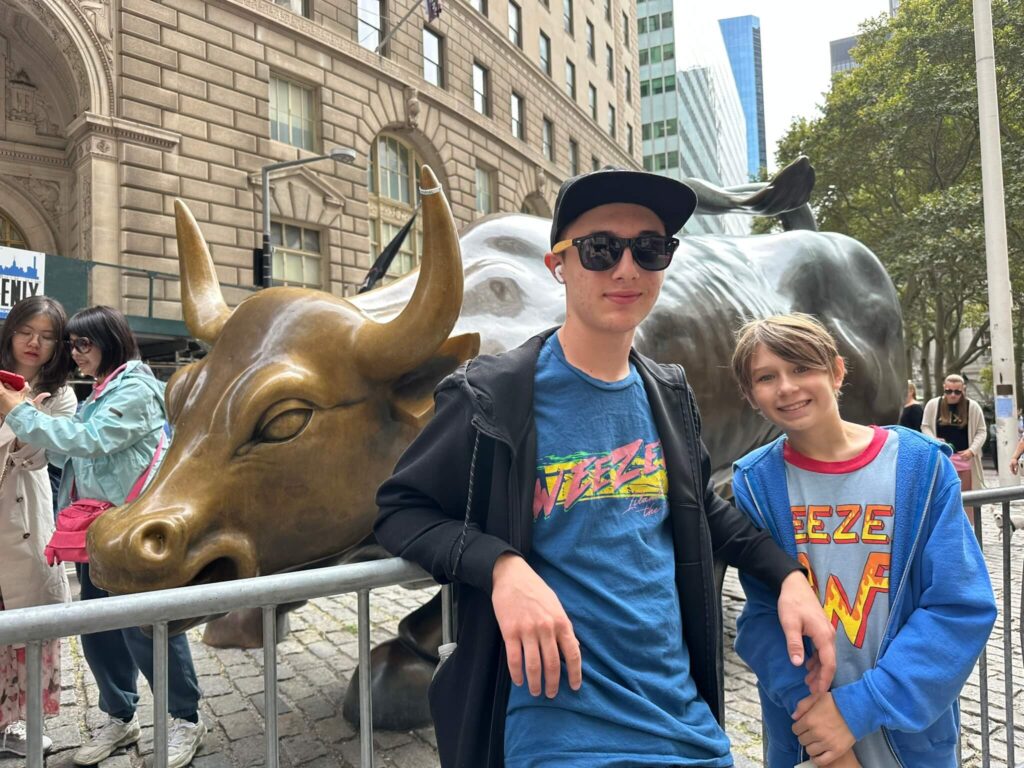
(447, 615)
(34, 702)
(270, 684)
(365, 683)
(1007, 633)
(160, 695)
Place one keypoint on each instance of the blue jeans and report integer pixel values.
(116, 656)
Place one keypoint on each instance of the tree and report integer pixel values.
(897, 153)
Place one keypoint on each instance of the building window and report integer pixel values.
(608, 11)
(484, 190)
(10, 235)
(518, 124)
(574, 158)
(291, 113)
(567, 22)
(570, 79)
(480, 6)
(641, 25)
(629, 86)
(668, 51)
(545, 54)
(515, 24)
(592, 101)
(433, 57)
(666, 20)
(611, 121)
(297, 257)
(625, 30)
(629, 138)
(393, 198)
(300, 7)
(595, 164)
(370, 23)
(609, 58)
(590, 41)
(547, 139)
(481, 89)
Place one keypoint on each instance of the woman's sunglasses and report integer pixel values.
(82, 344)
(601, 252)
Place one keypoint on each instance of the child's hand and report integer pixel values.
(821, 729)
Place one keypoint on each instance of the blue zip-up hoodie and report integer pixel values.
(941, 612)
(108, 444)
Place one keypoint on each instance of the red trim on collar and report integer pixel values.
(860, 461)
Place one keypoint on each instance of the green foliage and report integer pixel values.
(897, 155)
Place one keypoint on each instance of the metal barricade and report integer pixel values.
(975, 500)
(33, 626)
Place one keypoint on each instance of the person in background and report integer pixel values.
(958, 421)
(913, 411)
(105, 450)
(30, 345)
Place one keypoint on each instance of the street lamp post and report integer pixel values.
(342, 154)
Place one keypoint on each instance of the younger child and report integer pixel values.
(874, 516)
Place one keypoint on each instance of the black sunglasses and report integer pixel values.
(953, 391)
(83, 344)
(601, 251)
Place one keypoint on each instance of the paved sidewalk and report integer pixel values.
(317, 659)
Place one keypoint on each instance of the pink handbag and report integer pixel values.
(68, 541)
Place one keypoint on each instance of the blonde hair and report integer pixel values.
(911, 389)
(796, 338)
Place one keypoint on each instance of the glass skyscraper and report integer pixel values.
(742, 36)
(693, 123)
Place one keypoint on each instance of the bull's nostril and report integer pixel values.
(156, 540)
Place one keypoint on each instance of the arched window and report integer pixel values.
(10, 235)
(393, 198)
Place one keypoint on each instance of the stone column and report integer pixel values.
(95, 166)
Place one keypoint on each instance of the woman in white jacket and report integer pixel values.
(31, 344)
(954, 419)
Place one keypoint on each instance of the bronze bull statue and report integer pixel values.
(299, 411)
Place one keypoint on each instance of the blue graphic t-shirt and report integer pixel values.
(602, 542)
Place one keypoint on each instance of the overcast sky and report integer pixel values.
(794, 48)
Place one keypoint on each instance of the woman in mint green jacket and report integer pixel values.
(104, 450)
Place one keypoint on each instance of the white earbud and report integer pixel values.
(558, 274)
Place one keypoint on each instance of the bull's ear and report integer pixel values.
(412, 398)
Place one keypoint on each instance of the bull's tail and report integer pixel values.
(785, 196)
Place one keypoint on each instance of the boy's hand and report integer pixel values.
(821, 729)
(800, 614)
(534, 626)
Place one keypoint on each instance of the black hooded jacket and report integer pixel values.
(462, 495)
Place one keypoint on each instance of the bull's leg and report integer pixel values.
(244, 628)
(401, 670)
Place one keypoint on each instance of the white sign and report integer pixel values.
(21, 276)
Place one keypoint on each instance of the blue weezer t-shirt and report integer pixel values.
(602, 541)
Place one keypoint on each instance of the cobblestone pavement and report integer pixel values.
(317, 659)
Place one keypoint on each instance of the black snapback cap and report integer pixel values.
(671, 200)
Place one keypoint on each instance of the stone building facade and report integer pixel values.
(113, 108)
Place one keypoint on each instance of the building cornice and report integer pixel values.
(25, 154)
(121, 130)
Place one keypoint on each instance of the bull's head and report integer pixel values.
(286, 428)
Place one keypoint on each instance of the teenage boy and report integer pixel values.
(874, 516)
(564, 486)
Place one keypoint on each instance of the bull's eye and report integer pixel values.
(283, 422)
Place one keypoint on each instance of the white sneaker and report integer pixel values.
(183, 739)
(15, 740)
(114, 733)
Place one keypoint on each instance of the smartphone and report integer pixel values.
(12, 380)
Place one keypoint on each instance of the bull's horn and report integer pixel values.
(384, 351)
(202, 302)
